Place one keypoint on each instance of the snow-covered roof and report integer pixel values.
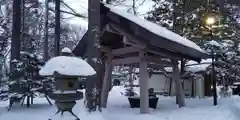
(65, 65)
(156, 29)
(214, 43)
(194, 67)
(158, 38)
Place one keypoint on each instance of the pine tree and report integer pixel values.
(190, 22)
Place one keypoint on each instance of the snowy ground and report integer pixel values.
(118, 109)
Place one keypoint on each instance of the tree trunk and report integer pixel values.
(134, 7)
(16, 31)
(57, 28)
(23, 26)
(46, 32)
(93, 54)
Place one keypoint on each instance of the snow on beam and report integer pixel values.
(129, 60)
(124, 50)
(163, 54)
(157, 60)
(150, 65)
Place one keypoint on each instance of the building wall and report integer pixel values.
(161, 83)
(200, 86)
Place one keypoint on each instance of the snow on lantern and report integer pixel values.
(66, 70)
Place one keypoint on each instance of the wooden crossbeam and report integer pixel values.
(125, 50)
(105, 49)
(130, 39)
(128, 60)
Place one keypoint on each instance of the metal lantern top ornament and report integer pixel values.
(66, 70)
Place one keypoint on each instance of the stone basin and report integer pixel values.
(66, 96)
(65, 106)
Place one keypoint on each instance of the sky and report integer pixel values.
(81, 7)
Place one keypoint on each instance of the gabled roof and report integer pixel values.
(153, 35)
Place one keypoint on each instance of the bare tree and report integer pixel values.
(46, 31)
(57, 28)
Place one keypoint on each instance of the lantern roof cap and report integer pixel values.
(67, 66)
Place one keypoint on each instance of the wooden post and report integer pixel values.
(178, 85)
(106, 86)
(144, 102)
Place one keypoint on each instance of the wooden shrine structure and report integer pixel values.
(129, 40)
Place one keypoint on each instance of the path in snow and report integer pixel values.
(118, 109)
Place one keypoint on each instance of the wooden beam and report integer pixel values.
(157, 60)
(137, 43)
(125, 50)
(107, 80)
(133, 42)
(163, 54)
(108, 28)
(129, 37)
(105, 49)
(122, 61)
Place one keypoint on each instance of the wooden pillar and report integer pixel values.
(144, 102)
(107, 78)
(178, 85)
(131, 80)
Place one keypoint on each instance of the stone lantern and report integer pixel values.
(66, 71)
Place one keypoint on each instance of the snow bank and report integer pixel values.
(118, 109)
(66, 65)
